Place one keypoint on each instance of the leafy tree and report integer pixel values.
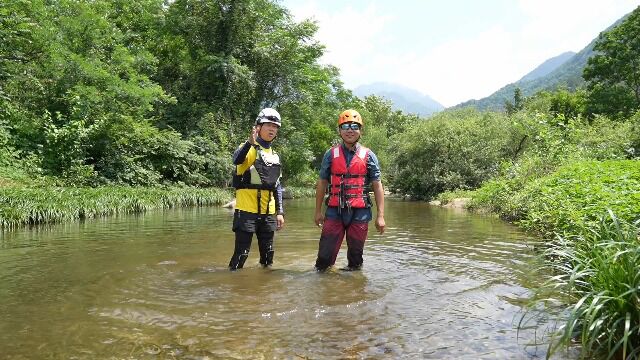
(568, 105)
(613, 74)
(518, 102)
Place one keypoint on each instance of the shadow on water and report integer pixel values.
(438, 284)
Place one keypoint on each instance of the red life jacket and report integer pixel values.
(346, 186)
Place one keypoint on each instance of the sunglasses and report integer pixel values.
(352, 126)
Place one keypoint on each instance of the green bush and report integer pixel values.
(453, 150)
(550, 143)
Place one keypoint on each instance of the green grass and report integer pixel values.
(578, 194)
(593, 293)
(26, 206)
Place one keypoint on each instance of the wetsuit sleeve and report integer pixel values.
(249, 159)
(241, 153)
(373, 167)
(325, 167)
(279, 202)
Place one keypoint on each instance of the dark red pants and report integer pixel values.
(333, 232)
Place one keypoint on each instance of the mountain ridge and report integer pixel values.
(403, 98)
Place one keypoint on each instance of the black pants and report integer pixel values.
(245, 224)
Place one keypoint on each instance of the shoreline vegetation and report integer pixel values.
(46, 205)
(23, 206)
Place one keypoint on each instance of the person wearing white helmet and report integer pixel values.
(259, 207)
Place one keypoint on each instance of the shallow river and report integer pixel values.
(439, 284)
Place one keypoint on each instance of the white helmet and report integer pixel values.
(268, 115)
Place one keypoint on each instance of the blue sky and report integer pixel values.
(452, 50)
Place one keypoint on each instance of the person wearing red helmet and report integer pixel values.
(347, 172)
(259, 207)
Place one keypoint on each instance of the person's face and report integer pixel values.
(268, 131)
(349, 132)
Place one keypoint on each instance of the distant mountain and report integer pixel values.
(407, 100)
(548, 66)
(559, 73)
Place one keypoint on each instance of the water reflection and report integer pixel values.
(438, 284)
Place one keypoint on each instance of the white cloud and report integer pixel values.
(353, 37)
(465, 68)
(568, 24)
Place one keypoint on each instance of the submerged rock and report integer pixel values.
(457, 203)
(230, 205)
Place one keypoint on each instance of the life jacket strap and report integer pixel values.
(349, 176)
(255, 186)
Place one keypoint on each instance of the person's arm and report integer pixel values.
(378, 193)
(279, 207)
(373, 172)
(321, 189)
(241, 152)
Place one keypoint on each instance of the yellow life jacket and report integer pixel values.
(256, 180)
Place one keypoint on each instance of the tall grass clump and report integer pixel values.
(596, 276)
(28, 206)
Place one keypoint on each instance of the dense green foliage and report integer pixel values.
(147, 93)
(454, 150)
(573, 197)
(569, 199)
(551, 143)
(613, 73)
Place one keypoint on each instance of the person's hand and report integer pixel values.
(319, 219)
(253, 135)
(279, 222)
(380, 224)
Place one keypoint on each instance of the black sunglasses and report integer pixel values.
(352, 126)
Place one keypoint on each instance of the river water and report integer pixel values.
(439, 284)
